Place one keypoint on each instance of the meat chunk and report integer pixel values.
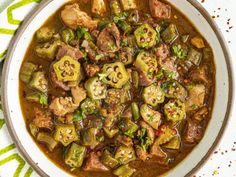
(200, 114)
(60, 106)
(159, 9)
(78, 94)
(42, 119)
(142, 154)
(200, 74)
(57, 83)
(193, 132)
(196, 97)
(93, 164)
(125, 140)
(70, 51)
(92, 70)
(157, 151)
(162, 51)
(73, 17)
(109, 39)
(99, 7)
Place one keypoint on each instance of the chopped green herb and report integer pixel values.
(78, 116)
(83, 33)
(102, 76)
(179, 51)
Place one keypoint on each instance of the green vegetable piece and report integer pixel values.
(194, 56)
(184, 38)
(108, 160)
(153, 118)
(47, 50)
(96, 89)
(124, 171)
(116, 96)
(146, 62)
(133, 17)
(75, 155)
(89, 137)
(78, 116)
(33, 129)
(126, 55)
(153, 95)
(165, 135)
(124, 26)
(67, 69)
(170, 34)
(128, 127)
(174, 110)
(44, 34)
(37, 97)
(173, 89)
(110, 132)
(83, 33)
(65, 134)
(135, 111)
(47, 139)
(135, 79)
(128, 4)
(125, 154)
(115, 7)
(39, 82)
(145, 36)
(116, 74)
(180, 51)
(67, 35)
(175, 143)
(90, 106)
(143, 138)
(26, 71)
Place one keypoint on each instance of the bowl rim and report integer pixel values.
(197, 5)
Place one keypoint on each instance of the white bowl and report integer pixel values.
(38, 160)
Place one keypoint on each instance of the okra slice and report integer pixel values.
(116, 96)
(145, 36)
(47, 50)
(126, 55)
(47, 139)
(174, 89)
(128, 4)
(27, 71)
(67, 69)
(170, 34)
(128, 127)
(174, 110)
(153, 95)
(108, 159)
(67, 35)
(39, 82)
(65, 134)
(110, 132)
(115, 7)
(37, 97)
(152, 117)
(125, 154)
(75, 155)
(44, 34)
(96, 88)
(90, 106)
(146, 62)
(174, 143)
(89, 137)
(124, 171)
(116, 74)
(194, 56)
(165, 134)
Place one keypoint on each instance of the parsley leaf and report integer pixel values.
(43, 99)
(144, 140)
(179, 51)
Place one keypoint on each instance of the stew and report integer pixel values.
(117, 88)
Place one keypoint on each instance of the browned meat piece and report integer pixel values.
(42, 119)
(162, 52)
(92, 70)
(200, 74)
(193, 132)
(142, 154)
(70, 51)
(109, 39)
(157, 151)
(60, 106)
(93, 163)
(159, 9)
(144, 80)
(78, 94)
(125, 140)
(201, 114)
(127, 113)
(73, 17)
(58, 83)
(196, 97)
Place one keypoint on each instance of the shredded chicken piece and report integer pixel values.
(42, 119)
(78, 94)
